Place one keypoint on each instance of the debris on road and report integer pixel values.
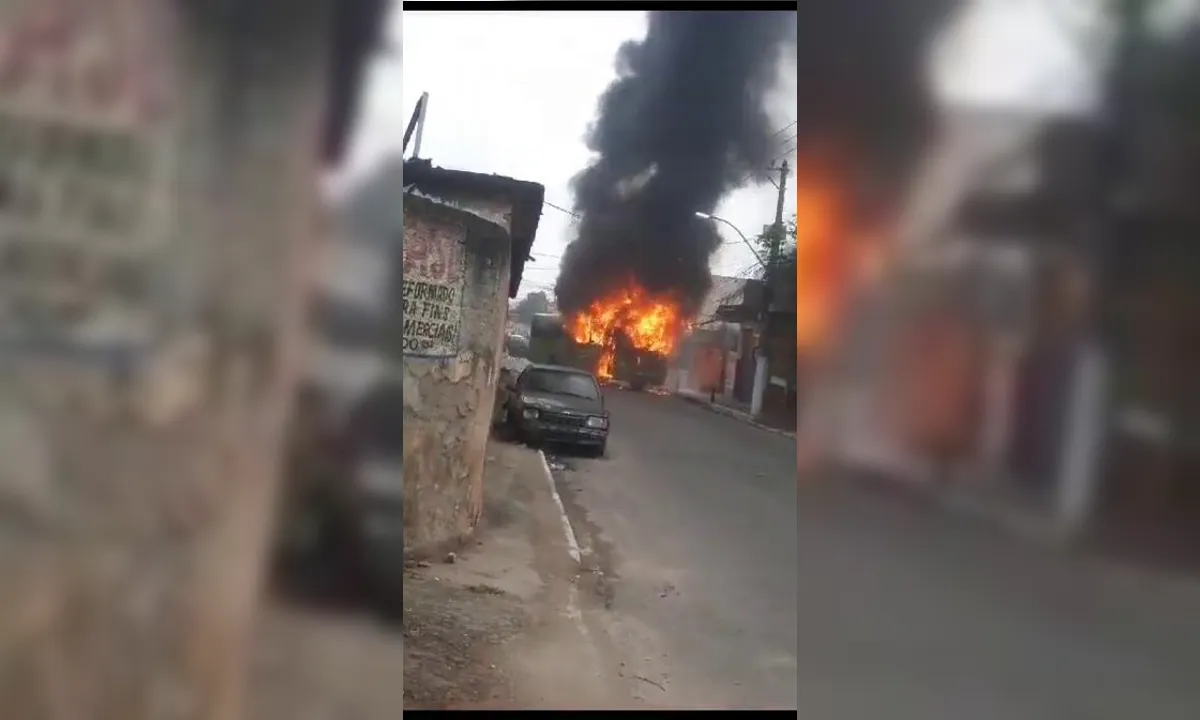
(656, 684)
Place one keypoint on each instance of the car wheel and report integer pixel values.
(510, 429)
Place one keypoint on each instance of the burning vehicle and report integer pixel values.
(627, 337)
(636, 334)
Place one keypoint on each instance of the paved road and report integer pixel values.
(692, 516)
(908, 613)
(903, 612)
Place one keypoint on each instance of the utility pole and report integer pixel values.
(1088, 411)
(416, 123)
(771, 282)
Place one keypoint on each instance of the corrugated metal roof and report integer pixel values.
(526, 198)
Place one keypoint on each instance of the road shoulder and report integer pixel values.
(501, 624)
(705, 402)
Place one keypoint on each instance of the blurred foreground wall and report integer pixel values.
(157, 170)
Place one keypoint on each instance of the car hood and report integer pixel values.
(551, 401)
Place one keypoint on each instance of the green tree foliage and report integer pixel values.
(784, 277)
(762, 241)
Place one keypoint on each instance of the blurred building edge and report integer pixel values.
(994, 277)
(467, 237)
(951, 369)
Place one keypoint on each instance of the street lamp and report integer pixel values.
(740, 234)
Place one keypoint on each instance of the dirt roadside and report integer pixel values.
(513, 622)
(505, 625)
(315, 665)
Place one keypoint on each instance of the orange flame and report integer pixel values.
(820, 261)
(607, 365)
(654, 324)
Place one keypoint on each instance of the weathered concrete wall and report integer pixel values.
(453, 347)
(158, 177)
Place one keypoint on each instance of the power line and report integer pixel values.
(777, 133)
(562, 209)
(785, 128)
(746, 179)
(536, 268)
(534, 287)
(573, 214)
(749, 272)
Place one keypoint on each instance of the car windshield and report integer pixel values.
(560, 383)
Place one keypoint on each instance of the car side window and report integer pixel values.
(521, 380)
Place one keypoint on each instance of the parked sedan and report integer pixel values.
(551, 403)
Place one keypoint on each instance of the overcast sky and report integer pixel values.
(513, 94)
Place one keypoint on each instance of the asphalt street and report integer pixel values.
(910, 613)
(726, 587)
(692, 518)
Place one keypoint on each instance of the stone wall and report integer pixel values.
(456, 274)
(158, 176)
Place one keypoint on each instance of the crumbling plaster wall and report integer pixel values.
(448, 399)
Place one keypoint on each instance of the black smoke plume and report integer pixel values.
(865, 106)
(685, 123)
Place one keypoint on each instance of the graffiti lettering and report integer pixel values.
(432, 313)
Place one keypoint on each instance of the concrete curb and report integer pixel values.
(731, 412)
(568, 531)
(960, 502)
(1024, 524)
